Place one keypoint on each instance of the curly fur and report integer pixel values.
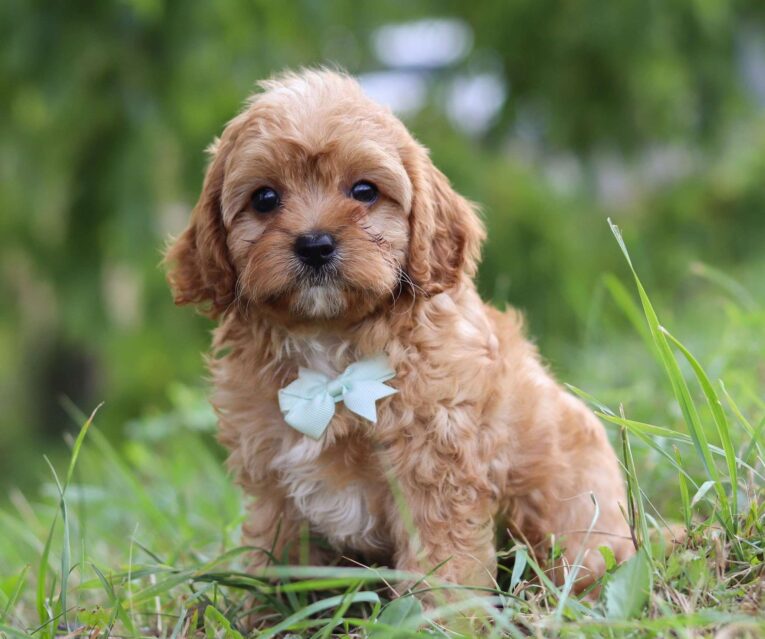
(479, 435)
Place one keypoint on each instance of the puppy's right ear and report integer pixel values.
(199, 267)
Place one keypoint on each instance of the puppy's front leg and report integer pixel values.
(442, 519)
(272, 527)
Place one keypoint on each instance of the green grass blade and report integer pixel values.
(570, 580)
(78, 445)
(519, 567)
(42, 575)
(680, 388)
(293, 620)
(648, 440)
(124, 472)
(720, 419)
(755, 435)
(631, 310)
(337, 617)
(733, 288)
(647, 431)
(643, 428)
(66, 547)
(118, 609)
(637, 518)
(20, 530)
(161, 587)
(13, 632)
(684, 494)
(22, 578)
(337, 572)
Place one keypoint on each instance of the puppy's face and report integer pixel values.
(315, 203)
(319, 205)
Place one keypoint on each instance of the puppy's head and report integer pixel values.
(318, 204)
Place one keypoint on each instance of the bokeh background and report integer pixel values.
(552, 115)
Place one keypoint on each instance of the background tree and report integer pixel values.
(650, 112)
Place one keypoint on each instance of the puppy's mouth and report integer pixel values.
(335, 290)
(318, 292)
(318, 301)
(328, 275)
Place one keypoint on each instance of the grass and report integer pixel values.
(142, 540)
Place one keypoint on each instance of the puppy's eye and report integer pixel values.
(364, 192)
(265, 200)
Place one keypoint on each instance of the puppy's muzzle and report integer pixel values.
(316, 249)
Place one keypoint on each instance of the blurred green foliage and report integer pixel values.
(650, 111)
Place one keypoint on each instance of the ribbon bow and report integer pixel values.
(308, 403)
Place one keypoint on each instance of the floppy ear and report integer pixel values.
(200, 270)
(445, 232)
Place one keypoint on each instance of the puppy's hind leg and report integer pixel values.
(580, 500)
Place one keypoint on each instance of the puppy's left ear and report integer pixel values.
(445, 232)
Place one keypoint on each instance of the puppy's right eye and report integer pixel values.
(265, 200)
(364, 192)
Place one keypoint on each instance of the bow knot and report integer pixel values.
(308, 403)
(336, 388)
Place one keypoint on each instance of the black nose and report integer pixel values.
(315, 249)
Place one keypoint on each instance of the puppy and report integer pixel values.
(363, 388)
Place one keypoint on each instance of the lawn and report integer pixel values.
(140, 537)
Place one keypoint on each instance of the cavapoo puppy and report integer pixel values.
(363, 389)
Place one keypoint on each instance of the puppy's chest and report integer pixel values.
(330, 485)
(324, 355)
(330, 488)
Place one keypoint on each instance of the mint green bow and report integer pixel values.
(308, 403)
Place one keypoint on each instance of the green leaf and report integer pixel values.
(519, 567)
(698, 573)
(608, 557)
(399, 611)
(628, 588)
(217, 626)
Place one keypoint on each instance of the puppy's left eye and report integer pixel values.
(364, 192)
(265, 200)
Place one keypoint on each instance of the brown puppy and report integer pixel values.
(324, 235)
